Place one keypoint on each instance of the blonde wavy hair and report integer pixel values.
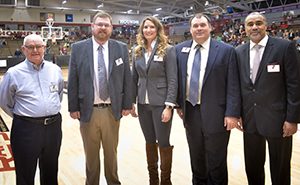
(162, 39)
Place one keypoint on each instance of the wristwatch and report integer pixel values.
(169, 107)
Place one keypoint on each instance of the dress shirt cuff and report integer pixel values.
(170, 104)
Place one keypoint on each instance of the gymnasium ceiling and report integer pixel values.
(159, 8)
(163, 8)
(175, 8)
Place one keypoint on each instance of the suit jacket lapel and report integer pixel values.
(184, 60)
(90, 56)
(265, 56)
(213, 51)
(143, 60)
(151, 56)
(111, 56)
(246, 54)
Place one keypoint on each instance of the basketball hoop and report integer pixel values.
(49, 32)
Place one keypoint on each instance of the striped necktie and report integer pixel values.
(102, 75)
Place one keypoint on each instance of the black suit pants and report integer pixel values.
(34, 142)
(280, 152)
(208, 152)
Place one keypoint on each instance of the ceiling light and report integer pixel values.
(64, 1)
(100, 5)
(155, 15)
(158, 9)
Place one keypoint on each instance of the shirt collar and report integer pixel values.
(153, 43)
(34, 66)
(205, 44)
(263, 42)
(96, 45)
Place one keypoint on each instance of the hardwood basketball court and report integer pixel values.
(132, 158)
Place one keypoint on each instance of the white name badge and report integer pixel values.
(119, 61)
(158, 58)
(53, 88)
(273, 68)
(185, 49)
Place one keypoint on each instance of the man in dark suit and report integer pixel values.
(270, 86)
(210, 115)
(99, 92)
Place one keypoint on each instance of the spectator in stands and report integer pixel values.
(284, 25)
(273, 26)
(18, 53)
(270, 86)
(155, 88)
(279, 33)
(63, 50)
(31, 93)
(291, 35)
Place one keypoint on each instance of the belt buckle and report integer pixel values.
(46, 121)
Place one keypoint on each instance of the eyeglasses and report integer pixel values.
(100, 24)
(32, 47)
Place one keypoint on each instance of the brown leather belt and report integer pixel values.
(102, 105)
(47, 120)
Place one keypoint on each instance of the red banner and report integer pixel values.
(6, 157)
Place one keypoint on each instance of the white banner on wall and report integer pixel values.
(3, 63)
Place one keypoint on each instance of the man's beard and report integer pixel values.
(103, 36)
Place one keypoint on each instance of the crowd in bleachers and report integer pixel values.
(233, 32)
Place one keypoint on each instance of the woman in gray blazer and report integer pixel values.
(154, 74)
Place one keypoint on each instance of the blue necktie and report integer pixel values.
(194, 81)
(103, 84)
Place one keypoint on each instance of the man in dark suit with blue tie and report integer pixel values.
(270, 86)
(208, 99)
(99, 93)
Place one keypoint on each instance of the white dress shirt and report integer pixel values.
(147, 57)
(262, 43)
(97, 99)
(204, 57)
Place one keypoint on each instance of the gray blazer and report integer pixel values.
(81, 75)
(158, 77)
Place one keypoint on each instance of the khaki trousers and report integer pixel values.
(103, 130)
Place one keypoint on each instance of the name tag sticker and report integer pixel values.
(185, 49)
(157, 58)
(53, 88)
(273, 68)
(119, 61)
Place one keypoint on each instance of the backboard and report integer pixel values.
(55, 33)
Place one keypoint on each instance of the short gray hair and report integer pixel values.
(34, 37)
(256, 14)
